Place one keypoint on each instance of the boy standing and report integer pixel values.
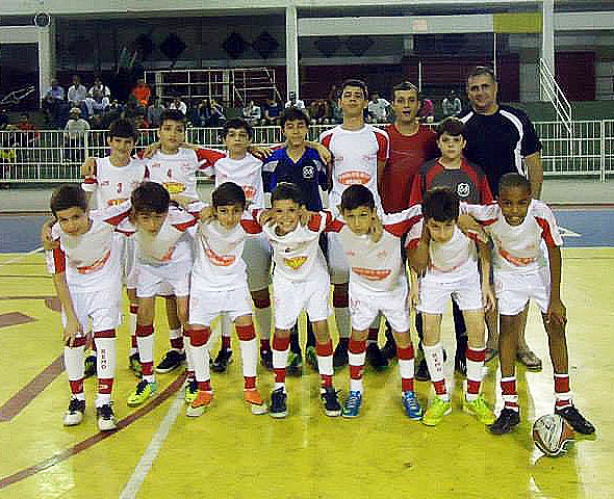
(517, 225)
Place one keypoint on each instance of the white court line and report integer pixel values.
(142, 468)
(21, 257)
(568, 233)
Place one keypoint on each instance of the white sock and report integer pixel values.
(249, 357)
(434, 360)
(105, 366)
(73, 362)
(200, 362)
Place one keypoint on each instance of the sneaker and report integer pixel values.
(576, 420)
(106, 418)
(89, 366)
(332, 408)
(311, 357)
(435, 413)
(389, 351)
(266, 359)
(479, 408)
(340, 355)
(412, 406)
(351, 409)
(490, 354)
(507, 420)
(199, 404)
(222, 361)
(255, 401)
(422, 371)
(295, 363)
(144, 390)
(171, 361)
(279, 407)
(190, 391)
(375, 357)
(531, 361)
(134, 362)
(74, 413)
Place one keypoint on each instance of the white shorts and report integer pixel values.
(291, 297)
(464, 288)
(165, 280)
(206, 305)
(365, 306)
(338, 266)
(102, 308)
(257, 255)
(514, 289)
(130, 276)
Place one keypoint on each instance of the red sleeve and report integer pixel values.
(546, 232)
(59, 261)
(382, 143)
(326, 140)
(208, 157)
(415, 196)
(185, 225)
(400, 228)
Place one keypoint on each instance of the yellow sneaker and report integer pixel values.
(201, 402)
(191, 391)
(144, 391)
(435, 413)
(479, 408)
(255, 401)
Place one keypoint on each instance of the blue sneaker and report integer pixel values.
(351, 409)
(413, 409)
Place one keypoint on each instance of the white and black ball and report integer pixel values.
(552, 435)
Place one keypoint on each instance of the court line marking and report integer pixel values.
(94, 439)
(147, 459)
(21, 257)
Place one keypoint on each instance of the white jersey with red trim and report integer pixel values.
(113, 184)
(445, 258)
(518, 247)
(378, 266)
(297, 255)
(218, 262)
(355, 157)
(91, 261)
(176, 172)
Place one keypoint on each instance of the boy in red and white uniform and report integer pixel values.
(518, 225)
(378, 285)
(164, 239)
(219, 286)
(453, 272)
(359, 154)
(300, 281)
(86, 268)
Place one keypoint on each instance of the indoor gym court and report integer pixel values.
(157, 452)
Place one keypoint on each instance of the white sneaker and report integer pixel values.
(106, 418)
(74, 415)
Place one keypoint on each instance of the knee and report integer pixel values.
(340, 296)
(261, 298)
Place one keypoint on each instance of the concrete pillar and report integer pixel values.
(547, 50)
(46, 57)
(292, 82)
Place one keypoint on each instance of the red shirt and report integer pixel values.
(407, 154)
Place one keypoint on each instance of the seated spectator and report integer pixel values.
(141, 93)
(154, 112)
(320, 112)
(76, 92)
(427, 110)
(252, 113)
(272, 112)
(294, 102)
(53, 102)
(74, 136)
(378, 109)
(179, 105)
(98, 98)
(451, 105)
(218, 118)
(193, 115)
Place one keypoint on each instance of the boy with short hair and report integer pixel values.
(219, 285)
(453, 272)
(378, 285)
(517, 225)
(86, 268)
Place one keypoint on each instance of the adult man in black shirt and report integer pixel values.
(501, 139)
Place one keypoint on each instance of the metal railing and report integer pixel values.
(553, 92)
(50, 156)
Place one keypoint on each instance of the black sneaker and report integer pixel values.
(578, 422)
(422, 371)
(266, 359)
(332, 408)
(376, 358)
(106, 418)
(89, 366)
(222, 361)
(507, 420)
(171, 361)
(278, 408)
(340, 356)
(74, 413)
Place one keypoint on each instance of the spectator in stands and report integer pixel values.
(320, 112)
(378, 109)
(451, 105)
(98, 98)
(4, 119)
(141, 93)
(218, 118)
(252, 113)
(294, 102)
(179, 105)
(114, 112)
(53, 102)
(272, 112)
(99, 90)
(26, 138)
(76, 92)
(427, 110)
(74, 136)
(154, 112)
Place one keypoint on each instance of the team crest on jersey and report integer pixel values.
(155, 165)
(250, 192)
(115, 202)
(104, 183)
(296, 262)
(97, 265)
(220, 260)
(174, 187)
(354, 177)
(372, 274)
(463, 189)
(309, 172)
(382, 254)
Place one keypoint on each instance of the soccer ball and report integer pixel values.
(552, 435)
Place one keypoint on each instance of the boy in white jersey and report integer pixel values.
(517, 225)
(359, 156)
(300, 281)
(164, 259)
(452, 272)
(378, 284)
(219, 285)
(86, 268)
